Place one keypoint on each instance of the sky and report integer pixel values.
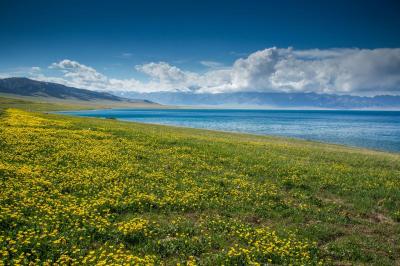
(341, 47)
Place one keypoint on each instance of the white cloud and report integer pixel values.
(81, 75)
(4, 75)
(320, 54)
(344, 71)
(162, 72)
(169, 77)
(354, 71)
(212, 64)
(21, 72)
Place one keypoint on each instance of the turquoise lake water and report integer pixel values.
(378, 130)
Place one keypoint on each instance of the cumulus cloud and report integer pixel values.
(169, 77)
(81, 75)
(163, 72)
(343, 71)
(354, 71)
(75, 74)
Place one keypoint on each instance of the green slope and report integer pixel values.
(52, 104)
(87, 191)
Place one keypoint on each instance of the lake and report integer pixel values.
(378, 130)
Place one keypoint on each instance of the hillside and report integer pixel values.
(53, 91)
(93, 191)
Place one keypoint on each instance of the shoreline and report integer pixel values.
(69, 113)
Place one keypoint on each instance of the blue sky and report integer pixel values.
(118, 39)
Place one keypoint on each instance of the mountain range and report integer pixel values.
(41, 89)
(269, 100)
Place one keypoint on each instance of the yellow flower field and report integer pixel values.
(98, 192)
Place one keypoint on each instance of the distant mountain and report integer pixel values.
(29, 87)
(34, 88)
(270, 100)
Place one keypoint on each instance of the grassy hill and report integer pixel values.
(49, 104)
(95, 191)
(40, 91)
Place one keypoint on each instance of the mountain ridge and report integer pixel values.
(33, 88)
(22, 86)
(270, 100)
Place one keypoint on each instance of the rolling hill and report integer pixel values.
(39, 89)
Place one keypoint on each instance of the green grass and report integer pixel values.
(39, 106)
(159, 194)
(36, 103)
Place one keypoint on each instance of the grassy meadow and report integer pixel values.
(83, 191)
